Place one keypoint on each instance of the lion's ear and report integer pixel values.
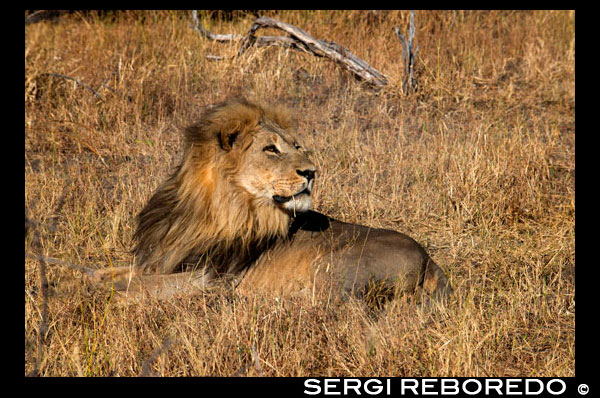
(227, 138)
(236, 131)
(233, 122)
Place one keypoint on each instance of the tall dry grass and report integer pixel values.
(478, 165)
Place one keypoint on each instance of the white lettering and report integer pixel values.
(513, 384)
(355, 387)
(551, 391)
(449, 387)
(528, 390)
(493, 384)
(429, 386)
(404, 386)
(464, 386)
(428, 383)
(330, 384)
(312, 383)
(375, 390)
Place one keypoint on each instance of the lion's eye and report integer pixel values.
(271, 148)
(297, 146)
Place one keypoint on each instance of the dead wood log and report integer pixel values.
(297, 39)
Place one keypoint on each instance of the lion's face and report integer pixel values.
(275, 170)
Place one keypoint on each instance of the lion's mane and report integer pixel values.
(199, 216)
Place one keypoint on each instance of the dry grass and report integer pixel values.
(478, 165)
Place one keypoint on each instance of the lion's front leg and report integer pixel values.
(130, 283)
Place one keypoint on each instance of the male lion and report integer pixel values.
(237, 209)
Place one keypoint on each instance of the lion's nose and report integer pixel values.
(309, 174)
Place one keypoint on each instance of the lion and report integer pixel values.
(237, 209)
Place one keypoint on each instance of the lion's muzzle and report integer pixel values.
(299, 202)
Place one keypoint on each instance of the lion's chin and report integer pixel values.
(298, 203)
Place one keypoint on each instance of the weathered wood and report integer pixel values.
(409, 83)
(227, 38)
(323, 48)
(77, 82)
(197, 26)
(298, 39)
(42, 15)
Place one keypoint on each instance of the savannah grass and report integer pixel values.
(478, 165)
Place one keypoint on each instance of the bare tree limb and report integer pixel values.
(322, 48)
(197, 26)
(287, 41)
(115, 73)
(40, 15)
(297, 39)
(410, 83)
(227, 38)
(79, 83)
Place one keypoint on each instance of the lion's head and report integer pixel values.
(243, 176)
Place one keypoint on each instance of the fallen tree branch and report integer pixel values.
(197, 26)
(79, 83)
(298, 39)
(41, 15)
(263, 41)
(288, 41)
(115, 72)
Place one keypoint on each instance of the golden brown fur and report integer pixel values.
(238, 206)
(201, 213)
